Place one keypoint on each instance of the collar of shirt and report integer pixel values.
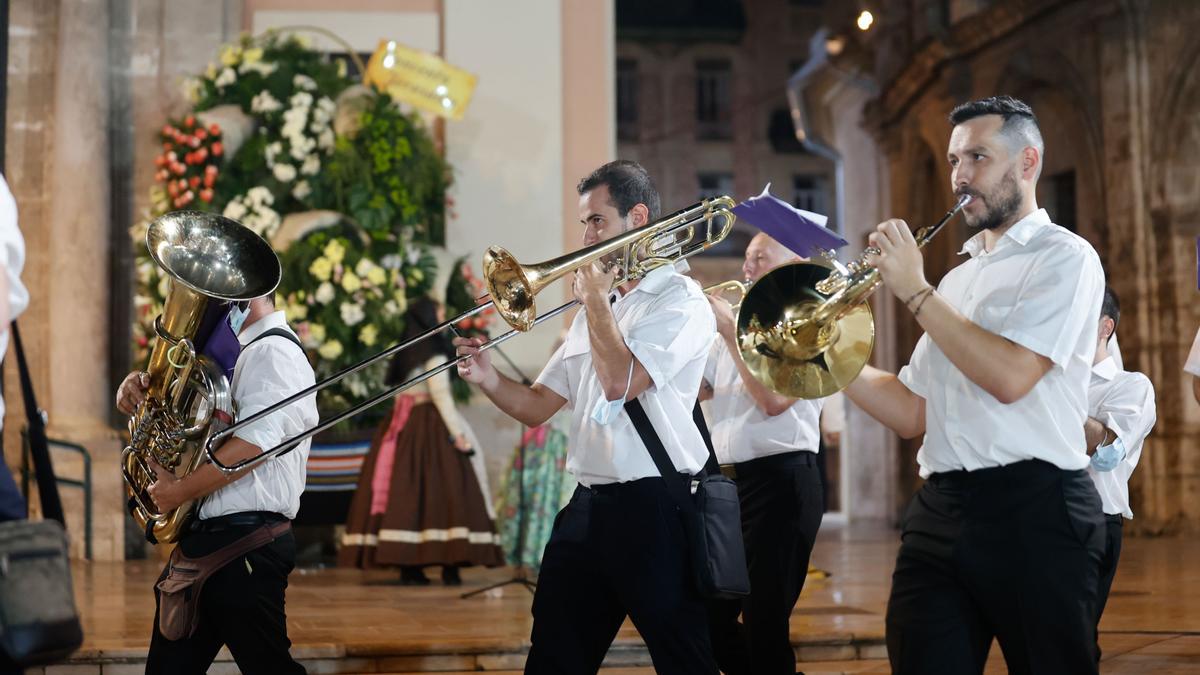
(654, 282)
(275, 319)
(1020, 232)
(1106, 369)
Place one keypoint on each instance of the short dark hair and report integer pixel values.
(1111, 307)
(1020, 126)
(628, 183)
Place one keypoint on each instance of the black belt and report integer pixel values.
(617, 488)
(229, 521)
(770, 464)
(1114, 518)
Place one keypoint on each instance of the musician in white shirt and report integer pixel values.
(617, 549)
(1121, 413)
(1192, 366)
(1005, 537)
(771, 441)
(242, 604)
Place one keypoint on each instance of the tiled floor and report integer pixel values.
(347, 621)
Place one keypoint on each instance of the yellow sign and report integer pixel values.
(420, 79)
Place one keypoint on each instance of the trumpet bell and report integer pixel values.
(790, 352)
(213, 255)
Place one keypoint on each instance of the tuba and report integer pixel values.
(805, 329)
(208, 258)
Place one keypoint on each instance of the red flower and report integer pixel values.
(206, 195)
(194, 182)
(160, 161)
(209, 179)
(167, 129)
(214, 129)
(201, 133)
(210, 169)
(193, 141)
(201, 154)
(189, 121)
(162, 175)
(218, 149)
(179, 168)
(173, 189)
(172, 157)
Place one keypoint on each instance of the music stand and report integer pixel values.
(518, 571)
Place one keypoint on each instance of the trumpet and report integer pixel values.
(512, 288)
(805, 330)
(733, 286)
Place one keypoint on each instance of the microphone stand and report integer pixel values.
(519, 570)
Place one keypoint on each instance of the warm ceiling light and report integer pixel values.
(864, 20)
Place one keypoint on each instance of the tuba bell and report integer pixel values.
(207, 258)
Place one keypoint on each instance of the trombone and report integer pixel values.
(512, 288)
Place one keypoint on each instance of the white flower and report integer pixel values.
(312, 164)
(363, 267)
(391, 261)
(302, 190)
(294, 120)
(258, 67)
(324, 293)
(259, 196)
(271, 151)
(301, 147)
(235, 209)
(284, 173)
(326, 105)
(352, 313)
(192, 89)
(301, 99)
(304, 82)
(264, 102)
(226, 78)
(325, 139)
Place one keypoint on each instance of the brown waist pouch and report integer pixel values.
(179, 591)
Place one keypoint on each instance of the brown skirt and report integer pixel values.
(435, 512)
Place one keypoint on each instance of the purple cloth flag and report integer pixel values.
(803, 232)
(215, 338)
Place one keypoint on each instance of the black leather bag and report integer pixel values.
(39, 624)
(712, 514)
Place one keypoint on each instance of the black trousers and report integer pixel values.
(1113, 533)
(618, 550)
(1012, 553)
(241, 606)
(782, 503)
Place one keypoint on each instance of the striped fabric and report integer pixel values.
(335, 467)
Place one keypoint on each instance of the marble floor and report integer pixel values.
(351, 621)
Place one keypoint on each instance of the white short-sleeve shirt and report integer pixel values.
(1123, 402)
(740, 430)
(1192, 366)
(267, 372)
(12, 256)
(668, 325)
(1040, 287)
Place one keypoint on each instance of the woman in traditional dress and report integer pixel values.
(421, 499)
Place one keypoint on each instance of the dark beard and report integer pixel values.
(1003, 210)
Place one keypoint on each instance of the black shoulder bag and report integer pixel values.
(712, 515)
(38, 621)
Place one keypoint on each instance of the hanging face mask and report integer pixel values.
(237, 316)
(605, 411)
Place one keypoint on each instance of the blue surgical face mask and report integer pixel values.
(605, 411)
(237, 317)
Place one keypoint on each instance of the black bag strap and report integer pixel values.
(39, 446)
(283, 333)
(680, 488)
(279, 332)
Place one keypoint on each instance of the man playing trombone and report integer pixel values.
(618, 547)
(771, 441)
(1004, 539)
